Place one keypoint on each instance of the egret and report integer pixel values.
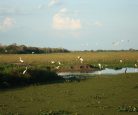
(57, 67)
(52, 62)
(79, 57)
(136, 65)
(81, 60)
(59, 62)
(121, 61)
(25, 71)
(21, 60)
(100, 66)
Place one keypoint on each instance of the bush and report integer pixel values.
(42, 76)
(11, 76)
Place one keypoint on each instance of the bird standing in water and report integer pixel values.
(125, 70)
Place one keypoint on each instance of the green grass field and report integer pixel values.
(98, 95)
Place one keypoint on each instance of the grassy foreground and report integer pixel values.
(100, 95)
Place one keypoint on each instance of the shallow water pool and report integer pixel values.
(103, 72)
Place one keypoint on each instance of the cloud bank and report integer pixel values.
(61, 20)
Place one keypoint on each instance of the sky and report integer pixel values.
(70, 24)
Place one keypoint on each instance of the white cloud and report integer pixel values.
(61, 20)
(7, 23)
(53, 2)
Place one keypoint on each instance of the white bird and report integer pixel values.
(81, 60)
(136, 65)
(59, 62)
(25, 71)
(79, 57)
(57, 67)
(52, 62)
(100, 66)
(21, 60)
(121, 61)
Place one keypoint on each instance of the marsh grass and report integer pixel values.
(111, 59)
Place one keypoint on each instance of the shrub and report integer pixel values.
(11, 76)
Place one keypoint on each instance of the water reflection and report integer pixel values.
(119, 71)
(103, 72)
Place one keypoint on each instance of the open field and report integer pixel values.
(101, 95)
(110, 59)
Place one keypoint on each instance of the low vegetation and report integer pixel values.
(70, 60)
(13, 76)
(99, 95)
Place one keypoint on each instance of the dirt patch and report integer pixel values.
(78, 68)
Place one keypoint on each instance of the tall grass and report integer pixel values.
(68, 59)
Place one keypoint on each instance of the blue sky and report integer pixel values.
(71, 24)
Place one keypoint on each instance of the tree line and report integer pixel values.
(22, 49)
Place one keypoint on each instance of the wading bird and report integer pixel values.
(59, 62)
(25, 71)
(52, 62)
(121, 61)
(57, 67)
(21, 60)
(81, 59)
(125, 70)
(100, 66)
(136, 65)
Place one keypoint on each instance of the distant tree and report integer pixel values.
(22, 49)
